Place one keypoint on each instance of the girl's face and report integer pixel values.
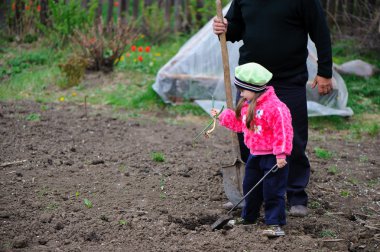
(248, 95)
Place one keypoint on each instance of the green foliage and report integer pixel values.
(72, 71)
(333, 170)
(364, 94)
(88, 203)
(155, 27)
(145, 57)
(103, 48)
(353, 181)
(66, 17)
(158, 157)
(122, 222)
(33, 117)
(17, 64)
(187, 108)
(327, 233)
(206, 12)
(322, 153)
(345, 193)
(314, 205)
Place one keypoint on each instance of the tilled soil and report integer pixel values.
(76, 181)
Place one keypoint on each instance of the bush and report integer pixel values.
(102, 47)
(72, 71)
(65, 17)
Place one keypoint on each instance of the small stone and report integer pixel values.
(42, 241)
(20, 242)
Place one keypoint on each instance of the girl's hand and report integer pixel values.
(281, 162)
(214, 112)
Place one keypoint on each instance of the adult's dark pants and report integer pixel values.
(292, 92)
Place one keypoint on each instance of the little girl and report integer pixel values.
(266, 124)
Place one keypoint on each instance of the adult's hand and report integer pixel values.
(324, 84)
(218, 26)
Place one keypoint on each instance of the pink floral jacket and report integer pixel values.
(272, 132)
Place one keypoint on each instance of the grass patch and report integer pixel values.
(327, 233)
(314, 205)
(333, 170)
(322, 153)
(158, 157)
(33, 73)
(345, 194)
(33, 117)
(88, 203)
(52, 206)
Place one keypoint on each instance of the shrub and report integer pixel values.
(155, 26)
(72, 71)
(67, 16)
(101, 47)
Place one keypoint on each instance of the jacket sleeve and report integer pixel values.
(282, 132)
(318, 30)
(236, 26)
(228, 119)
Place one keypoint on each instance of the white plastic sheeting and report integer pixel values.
(195, 73)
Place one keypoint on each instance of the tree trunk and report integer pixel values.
(200, 4)
(177, 15)
(124, 8)
(110, 13)
(135, 8)
(85, 4)
(99, 12)
(5, 7)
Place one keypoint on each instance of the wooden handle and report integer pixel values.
(227, 79)
(226, 64)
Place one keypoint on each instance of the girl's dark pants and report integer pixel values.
(271, 191)
(292, 92)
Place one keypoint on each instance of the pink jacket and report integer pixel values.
(272, 132)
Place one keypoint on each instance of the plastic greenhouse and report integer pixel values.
(195, 73)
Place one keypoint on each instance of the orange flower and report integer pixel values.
(128, 54)
(14, 6)
(141, 49)
(27, 7)
(116, 4)
(38, 8)
(147, 49)
(133, 48)
(140, 58)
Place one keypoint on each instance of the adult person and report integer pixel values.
(275, 35)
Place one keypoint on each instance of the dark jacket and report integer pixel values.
(275, 34)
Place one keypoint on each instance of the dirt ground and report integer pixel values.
(53, 169)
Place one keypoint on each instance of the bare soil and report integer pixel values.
(50, 168)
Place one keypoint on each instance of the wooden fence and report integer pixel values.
(184, 15)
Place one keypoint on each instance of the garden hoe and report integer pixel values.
(219, 223)
(232, 174)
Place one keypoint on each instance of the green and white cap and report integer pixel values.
(252, 76)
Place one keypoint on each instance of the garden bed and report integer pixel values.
(77, 180)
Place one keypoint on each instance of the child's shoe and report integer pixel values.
(298, 211)
(273, 231)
